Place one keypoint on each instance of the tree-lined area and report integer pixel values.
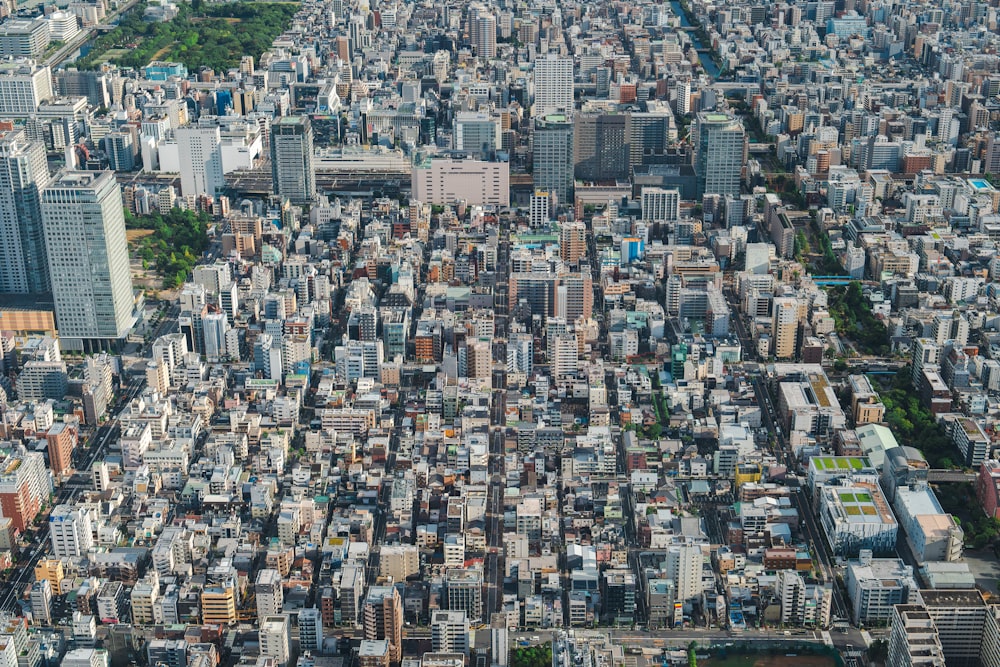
(214, 36)
(178, 240)
(913, 424)
(855, 320)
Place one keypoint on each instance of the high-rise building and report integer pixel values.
(88, 255)
(683, 564)
(573, 242)
(23, 173)
(486, 36)
(23, 86)
(449, 631)
(269, 593)
(121, 152)
(200, 152)
(292, 167)
(23, 38)
(41, 603)
(464, 590)
(552, 155)
(785, 326)
(553, 86)
(719, 140)
(660, 204)
(383, 618)
(913, 638)
(476, 133)
(24, 486)
(311, 629)
(600, 152)
(275, 641)
(70, 531)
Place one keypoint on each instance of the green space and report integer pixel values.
(913, 424)
(532, 656)
(960, 501)
(178, 240)
(854, 320)
(214, 36)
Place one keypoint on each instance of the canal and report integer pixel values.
(705, 58)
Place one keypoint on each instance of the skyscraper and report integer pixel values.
(200, 151)
(383, 619)
(292, 165)
(719, 143)
(553, 86)
(600, 151)
(88, 255)
(23, 173)
(785, 326)
(552, 154)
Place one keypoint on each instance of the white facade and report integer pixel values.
(446, 181)
(200, 154)
(70, 531)
(553, 86)
(88, 255)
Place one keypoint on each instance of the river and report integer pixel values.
(705, 58)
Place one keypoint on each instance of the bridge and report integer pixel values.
(943, 475)
(832, 280)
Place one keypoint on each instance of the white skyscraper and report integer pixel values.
(553, 86)
(684, 564)
(719, 141)
(70, 531)
(215, 326)
(200, 151)
(88, 255)
(23, 173)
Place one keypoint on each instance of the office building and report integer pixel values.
(600, 151)
(23, 86)
(70, 531)
(447, 181)
(382, 617)
(292, 168)
(199, 150)
(449, 631)
(552, 156)
(719, 141)
(553, 87)
(476, 134)
(88, 256)
(23, 173)
(660, 204)
(856, 517)
(23, 38)
(464, 592)
(275, 640)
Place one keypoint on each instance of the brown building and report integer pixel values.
(62, 439)
(383, 619)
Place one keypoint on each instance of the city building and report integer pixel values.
(91, 281)
(292, 161)
(24, 266)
